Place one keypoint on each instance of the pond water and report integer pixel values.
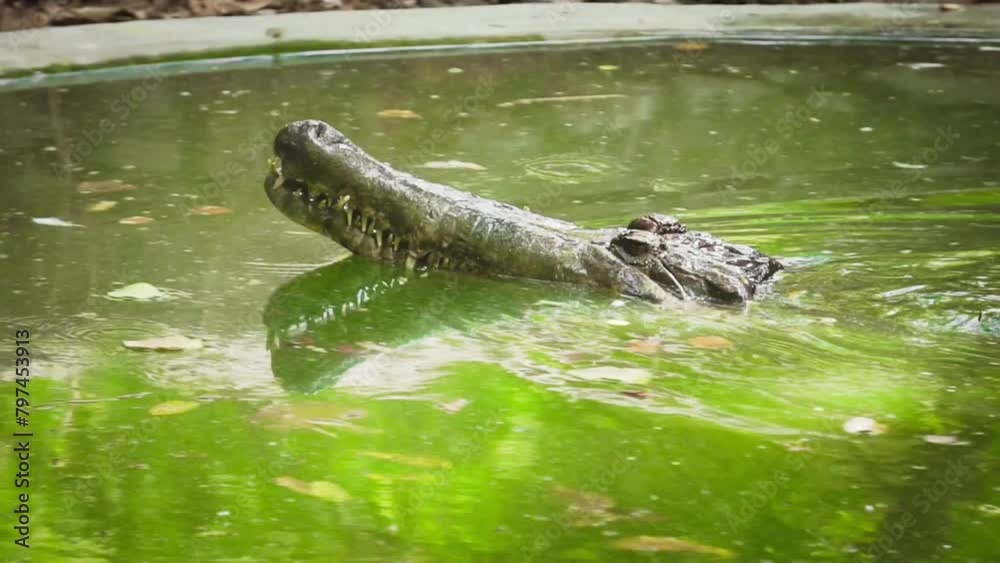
(343, 411)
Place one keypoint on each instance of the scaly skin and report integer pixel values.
(325, 182)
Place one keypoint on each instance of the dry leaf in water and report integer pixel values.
(142, 291)
(559, 99)
(607, 68)
(399, 114)
(454, 406)
(658, 543)
(631, 376)
(53, 222)
(103, 187)
(211, 210)
(325, 490)
(173, 407)
(164, 344)
(863, 425)
(691, 46)
(453, 165)
(102, 206)
(710, 342)
(647, 346)
(136, 220)
(427, 462)
(942, 440)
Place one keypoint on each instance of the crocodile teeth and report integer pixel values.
(411, 261)
(378, 240)
(342, 201)
(395, 243)
(347, 212)
(278, 182)
(364, 223)
(444, 262)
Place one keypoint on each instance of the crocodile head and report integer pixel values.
(323, 181)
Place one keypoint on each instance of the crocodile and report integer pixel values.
(326, 183)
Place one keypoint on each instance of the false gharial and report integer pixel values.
(323, 181)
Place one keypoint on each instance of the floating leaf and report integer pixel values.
(711, 342)
(173, 407)
(691, 46)
(102, 206)
(211, 210)
(863, 425)
(906, 166)
(636, 394)
(103, 187)
(136, 220)
(902, 291)
(990, 509)
(455, 406)
(943, 440)
(616, 322)
(141, 290)
(607, 68)
(53, 222)
(320, 489)
(647, 346)
(452, 165)
(428, 462)
(612, 373)
(655, 543)
(399, 114)
(925, 66)
(557, 99)
(164, 344)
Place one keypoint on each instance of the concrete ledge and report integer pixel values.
(100, 44)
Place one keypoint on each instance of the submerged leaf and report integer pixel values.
(173, 407)
(690, 46)
(103, 187)
(141, 290)
(320, 489)
(136, 220)
(427, 462)
(164, 344)
(711, 342)
(452, 165)
(102, 206)
(53, 222)
(210, 210)
(399, 114)
(657, 543)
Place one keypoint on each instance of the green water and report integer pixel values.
(346, 412)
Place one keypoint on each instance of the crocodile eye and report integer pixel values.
(644, 223)
(659, 224)
(635, 244)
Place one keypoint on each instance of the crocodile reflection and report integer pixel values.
(322, 323)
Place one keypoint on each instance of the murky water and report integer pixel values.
(342, 411)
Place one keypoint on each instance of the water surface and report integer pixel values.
(344, 411)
